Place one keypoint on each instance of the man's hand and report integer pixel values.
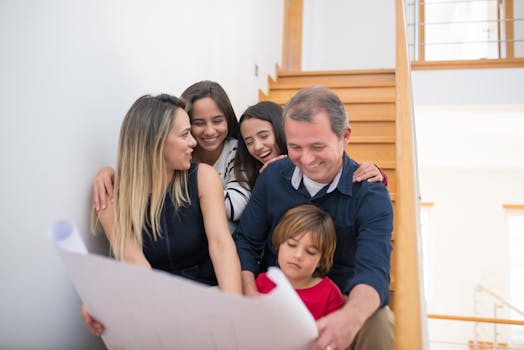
(336, 331)
(249, 286)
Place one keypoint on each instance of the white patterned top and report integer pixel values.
(235, 196)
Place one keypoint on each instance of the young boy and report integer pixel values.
(305, 242)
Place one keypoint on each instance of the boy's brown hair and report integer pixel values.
(309, 218)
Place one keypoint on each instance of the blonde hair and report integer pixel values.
(141, 179)
(304, 219)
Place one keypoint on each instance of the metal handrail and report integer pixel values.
(476, 319)
(448, 2)
(482, 288)
(500, 20)
(468, 42)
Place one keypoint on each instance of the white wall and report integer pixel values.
(470, 136)
(468, 86)
(469, 127)
(469, 245)
(349, 34)
(69, 70)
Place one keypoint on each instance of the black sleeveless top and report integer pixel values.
(182, 248)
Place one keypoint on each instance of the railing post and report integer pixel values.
(408, 303)
(292, 40)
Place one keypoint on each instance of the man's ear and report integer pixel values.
(346, 135)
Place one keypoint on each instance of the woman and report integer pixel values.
(263, 141)
(168, 213)
(214, 126)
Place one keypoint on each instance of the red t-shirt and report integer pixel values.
(321, 299)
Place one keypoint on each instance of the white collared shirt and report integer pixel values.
(312, 186)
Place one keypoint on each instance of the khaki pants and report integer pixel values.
(376, 333)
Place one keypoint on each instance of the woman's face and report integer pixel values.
(208, 125)
(179, 143)
(259, 137)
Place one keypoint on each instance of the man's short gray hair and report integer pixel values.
(310, 101)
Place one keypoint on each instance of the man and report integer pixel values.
(319, 172)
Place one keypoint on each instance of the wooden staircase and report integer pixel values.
(369, 98)
(380, 110)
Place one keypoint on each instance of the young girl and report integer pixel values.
(305, 241)
(215, 127)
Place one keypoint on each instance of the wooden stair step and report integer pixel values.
(347, 95)
(329, 83)
(370, 111)
(386, 165)
(371, 139)
(375, 111)
(372, 152)
(337, 72)
(372, 129)
(333, 79)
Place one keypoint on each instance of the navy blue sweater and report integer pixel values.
(363, 216)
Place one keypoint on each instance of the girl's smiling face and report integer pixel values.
(259, 137)
(208, 125)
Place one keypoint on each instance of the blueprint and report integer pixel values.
(151, 309)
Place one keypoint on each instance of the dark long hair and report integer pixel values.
(246, 166)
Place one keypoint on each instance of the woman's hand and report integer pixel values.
(94, 326)
(368, 171)
(103, 187)
(282, 156)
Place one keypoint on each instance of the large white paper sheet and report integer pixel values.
(150, 309)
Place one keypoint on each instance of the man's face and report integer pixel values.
(314, 148)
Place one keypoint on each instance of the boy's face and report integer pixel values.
(298, 257)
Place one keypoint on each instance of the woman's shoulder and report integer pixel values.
(203, 169)
(207, 176)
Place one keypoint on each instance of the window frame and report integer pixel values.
(505, 25)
